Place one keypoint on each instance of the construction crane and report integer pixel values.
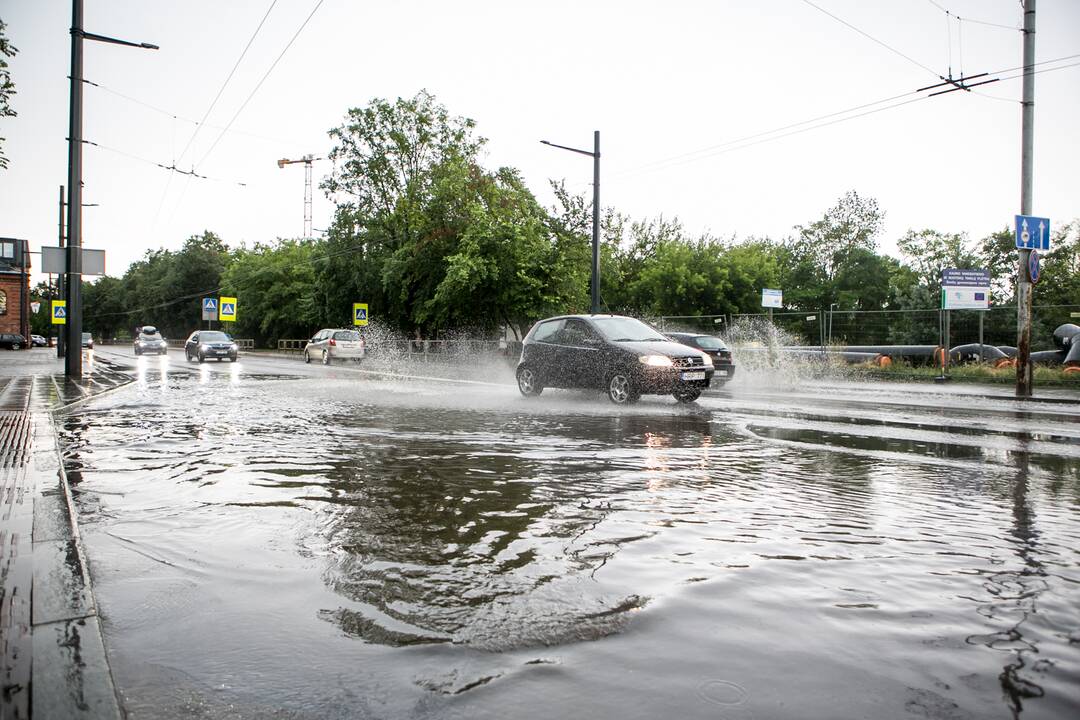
(307, 160)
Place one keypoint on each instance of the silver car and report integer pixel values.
(149, 340)
(334, 344)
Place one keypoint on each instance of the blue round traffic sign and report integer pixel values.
(1033, 267)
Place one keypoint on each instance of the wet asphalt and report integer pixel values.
(402, 539)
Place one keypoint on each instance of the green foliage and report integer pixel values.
(277, 285)
(7, 87)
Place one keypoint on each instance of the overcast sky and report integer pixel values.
(666, 83)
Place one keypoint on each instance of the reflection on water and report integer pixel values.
(315, 547)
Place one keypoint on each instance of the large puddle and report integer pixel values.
(348, 548)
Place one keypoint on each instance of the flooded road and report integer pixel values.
(270, 539)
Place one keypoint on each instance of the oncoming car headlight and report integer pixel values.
(655, 360)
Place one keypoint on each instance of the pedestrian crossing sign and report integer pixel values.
(359, 314)
(59, 312)
(227, 307)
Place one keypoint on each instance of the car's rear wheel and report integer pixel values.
(325, 357)
(620, 389)
(529, 382)
(688, 395)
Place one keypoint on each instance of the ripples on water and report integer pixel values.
(351, 548)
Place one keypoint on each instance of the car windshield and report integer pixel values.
(625, 329)
(213, 336)
(708, 342)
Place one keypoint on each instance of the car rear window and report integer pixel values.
(707, 342)
(347, 336)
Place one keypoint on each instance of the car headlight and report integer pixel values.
(655, 360)
(204, 347)
(234, 347)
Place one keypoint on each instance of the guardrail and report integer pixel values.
(291, 345)
(245, 343)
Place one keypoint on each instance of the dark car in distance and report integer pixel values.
(88, 340)
(619, 355)
(714, 347)
(149, 340)
(12, 341)
(206, 344)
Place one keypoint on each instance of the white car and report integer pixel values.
(332, 344)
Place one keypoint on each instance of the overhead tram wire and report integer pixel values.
(260, 83)
(945, 10)
(176, 116)
(199, 125)
(171, 168)
(232, 72)
(871, 37)
(720, 148)
(707, 151)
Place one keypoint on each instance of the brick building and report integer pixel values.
(15, 287)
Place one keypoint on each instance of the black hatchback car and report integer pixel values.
(206, 344)
(714, 347)
(622, 356)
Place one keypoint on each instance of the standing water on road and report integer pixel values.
(353, 548)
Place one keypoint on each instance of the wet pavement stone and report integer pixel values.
(52, 658)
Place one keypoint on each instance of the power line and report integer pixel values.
(663, 163)
(259, 85)
(224, 84)
(176, 116)
(871, 37)
(171, 168)
(971, 20)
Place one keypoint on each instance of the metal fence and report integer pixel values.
(885, 327)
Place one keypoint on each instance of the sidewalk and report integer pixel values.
(52, 659)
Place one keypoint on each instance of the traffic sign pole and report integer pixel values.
(1027, 141)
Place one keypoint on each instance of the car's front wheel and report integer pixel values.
(688, 395)
(307, 358)
(202, 358)
(620, 389)
(529, 382)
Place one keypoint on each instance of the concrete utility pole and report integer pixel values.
(1027, 143)
(73, 355)
(307, 160)
(73, 280)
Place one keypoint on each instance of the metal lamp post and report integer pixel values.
(73, 284)
(595, 155)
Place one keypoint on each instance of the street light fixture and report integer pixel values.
(73, 286)
(595, 155)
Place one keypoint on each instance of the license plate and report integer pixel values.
(694, 375)
(722, 373)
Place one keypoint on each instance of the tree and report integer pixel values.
(7, 87)
(845, 235)
(279, 291)
(930, 251)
